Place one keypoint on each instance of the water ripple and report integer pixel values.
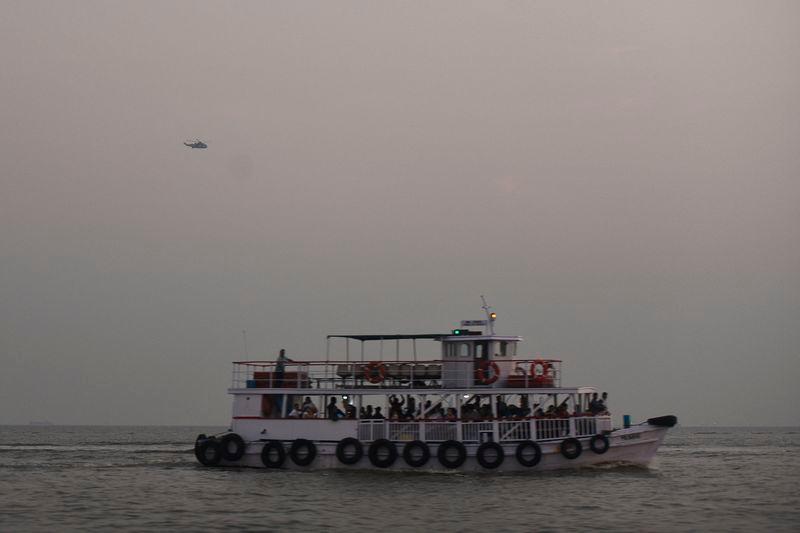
(147, 478)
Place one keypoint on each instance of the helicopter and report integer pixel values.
(196, 144)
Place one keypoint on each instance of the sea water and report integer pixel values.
(142, 478)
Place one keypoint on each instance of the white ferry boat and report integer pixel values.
(474, 406)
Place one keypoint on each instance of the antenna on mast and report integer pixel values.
(491, 316)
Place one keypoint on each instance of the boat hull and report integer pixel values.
(631, 446)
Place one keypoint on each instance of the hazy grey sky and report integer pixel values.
(620, 179)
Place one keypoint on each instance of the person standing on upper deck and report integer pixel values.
(280, 368)
(602, 405)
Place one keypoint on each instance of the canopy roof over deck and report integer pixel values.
(362, 338)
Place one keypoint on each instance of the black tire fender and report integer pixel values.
(266, 458)
(387, 461)
(208, 452)
(342, 447)
(599, 444)
(520, 453)
(481, 455)
(420, 461)
(232, 439)
(447, 445)
(571, 448)
(297, 446)
(200, 438)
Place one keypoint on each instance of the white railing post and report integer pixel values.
(532, 422)
(495, 423)
(458, 431)
(572, 432)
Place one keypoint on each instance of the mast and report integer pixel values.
(491, 316)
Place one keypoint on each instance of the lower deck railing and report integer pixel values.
(481, 431)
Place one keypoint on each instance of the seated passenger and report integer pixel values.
(349, 409)
(333, 411)
(502, 408)
(538, 413)
(512, 411)
(378, 414)
(562, 411)
(602, 405)
(485, 411)
(368, 413)
(311, 412)
(475, 400)
(452, 416)
(307, 404)
(524, 407)
(594, 404)
(426, 410)
(295, 412)
(410, 408)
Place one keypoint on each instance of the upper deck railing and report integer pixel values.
(377, 375)
(499, 430)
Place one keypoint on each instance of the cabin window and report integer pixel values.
(503, 348)
(463, 349)
(480, 350)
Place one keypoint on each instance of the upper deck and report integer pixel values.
(466, 360)
(379, 376)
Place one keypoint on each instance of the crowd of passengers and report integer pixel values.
(405, 409)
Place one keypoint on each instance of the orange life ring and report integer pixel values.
(483, 376)
(375, 372)
(542, 373)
